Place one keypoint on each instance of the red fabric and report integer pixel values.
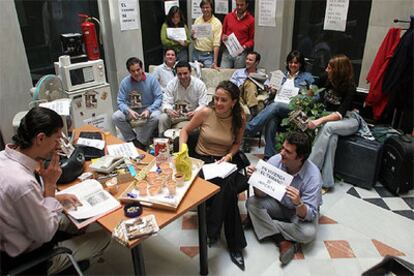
(243, 29)
(376, 99)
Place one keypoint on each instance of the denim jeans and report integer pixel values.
(271, 117)
(205, 58)
(323, 150)
(227, 61)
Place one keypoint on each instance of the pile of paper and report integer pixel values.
(221, 170)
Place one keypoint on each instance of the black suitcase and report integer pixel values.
(357, 160)
(397, 164)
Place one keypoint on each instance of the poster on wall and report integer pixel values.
(267, 13)
(128, 15)
(336, 14)
(221, 7)
(195, 9)
(169, 4)
(233, 5)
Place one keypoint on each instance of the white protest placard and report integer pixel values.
(336, 14)
(169, 4)
(128, 15)
(60, 106)
(233, 45)
(276, 79)
(221, 6)
(176, 34)
(195, 9)
(270, 180)
(99, 121)
(202, 30)
(267, 13)
(286, 93)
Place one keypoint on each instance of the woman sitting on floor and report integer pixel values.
(272, 115)
(337, 98)
(221, 131)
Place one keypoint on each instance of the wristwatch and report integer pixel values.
(300, 204)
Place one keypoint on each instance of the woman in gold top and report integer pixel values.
(221, 130)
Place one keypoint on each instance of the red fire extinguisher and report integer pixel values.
(89, 37)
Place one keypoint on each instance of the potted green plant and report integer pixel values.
(304, 108)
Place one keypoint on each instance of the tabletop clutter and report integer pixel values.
(163, 181)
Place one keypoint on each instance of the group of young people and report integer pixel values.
(31, 213)
(222, 124)
(206, 49)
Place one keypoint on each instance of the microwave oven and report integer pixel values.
(81, 75)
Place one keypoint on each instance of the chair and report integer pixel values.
(35, 262)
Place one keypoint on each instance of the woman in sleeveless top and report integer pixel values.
(221, 130)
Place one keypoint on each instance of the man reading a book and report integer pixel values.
(294, 219)
(30, 212)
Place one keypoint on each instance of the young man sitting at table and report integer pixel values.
(30, 213)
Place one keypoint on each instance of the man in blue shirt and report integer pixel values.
(139, 101)
(294, 219)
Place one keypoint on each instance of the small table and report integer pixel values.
(198, 193)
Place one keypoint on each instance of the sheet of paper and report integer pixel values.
(233, 45)
(286, 93)
(124, 150)
(221, 6)
(276, 79)
(202, 30)
(270, 180)
(94, 143)
(169, 4)
(336, 14)
(267, 13)
(60, 106)
(176, 34)
(128, 15)
(221, 170)
(195, 9)
(99, 121)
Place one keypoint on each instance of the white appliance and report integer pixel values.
(92, 105)
(80, 75)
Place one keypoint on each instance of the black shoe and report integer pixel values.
(139, 145)
(212, 240)
(287, 250)
(83, 265)
(247, 223)
(236, 257)
(246, 146)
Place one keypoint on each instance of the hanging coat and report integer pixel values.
(376, 99)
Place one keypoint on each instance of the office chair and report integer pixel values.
(38, 260)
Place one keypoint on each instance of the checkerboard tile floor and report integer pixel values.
(402, 205)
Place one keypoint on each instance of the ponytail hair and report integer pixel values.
(37, 120)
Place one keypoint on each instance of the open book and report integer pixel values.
(96, 202)
(221, 170)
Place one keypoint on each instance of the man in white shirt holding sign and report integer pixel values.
(292, 219)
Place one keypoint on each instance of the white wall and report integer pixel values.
(118, 45)
(15, 80)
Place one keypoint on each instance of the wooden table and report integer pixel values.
(198, 193)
